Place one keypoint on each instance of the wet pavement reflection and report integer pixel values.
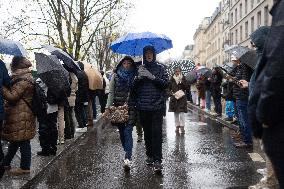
(202, 158)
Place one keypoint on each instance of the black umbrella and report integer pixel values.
(191, 77)
(206, 72)
(228, 67)
(68, 61)
(249, 58)
(52, 73)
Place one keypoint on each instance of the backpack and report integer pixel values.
(39, 99)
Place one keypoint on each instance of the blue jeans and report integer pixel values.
(230, 109)
(245, 127)
(208, 99)
(26, 154)
(125, 132)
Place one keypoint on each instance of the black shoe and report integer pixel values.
(158, 167)
(43, 153)
(228, 119)
(2, 171)
(149, 161)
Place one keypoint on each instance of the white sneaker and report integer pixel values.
(262, 171)
(127, 165)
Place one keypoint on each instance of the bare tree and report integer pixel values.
(72, 25)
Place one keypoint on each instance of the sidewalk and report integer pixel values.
(39, 163)
(232, 127)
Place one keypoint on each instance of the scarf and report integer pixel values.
(126, 75)
(178, 78)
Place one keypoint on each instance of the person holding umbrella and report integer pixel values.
(19, 128)
(151, 84)
(178, 101)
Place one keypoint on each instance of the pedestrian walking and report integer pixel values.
(150, 85)
(47, 130)
(20, 125)
(178, 101)
(119, 94)
(5, 81)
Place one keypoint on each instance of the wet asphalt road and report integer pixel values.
(203, 158)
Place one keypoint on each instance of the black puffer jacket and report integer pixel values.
(83, 85)
(151, 94)
(241, 72)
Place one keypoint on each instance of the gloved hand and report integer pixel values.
(144, 73)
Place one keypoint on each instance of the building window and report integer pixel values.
(246, 29)
(232, 19)
(266, 15)
(246, 7)
(259, 18)
(241, 33)
(232, 39)
(236, 15)
(252, 24)
(251, 4)
(241, 11)
(236, 36)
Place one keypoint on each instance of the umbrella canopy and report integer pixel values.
(94, 77)
(53, 75)
(191, 77)
(186, 66)
(206, 72)
(228, 67)
(133, 43)
(249, 58)
(237, 50)
(60, 54)
(10, 47)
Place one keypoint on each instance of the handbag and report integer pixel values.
(119, 114)
(179, 94)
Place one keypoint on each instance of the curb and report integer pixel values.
(218, 119)
(30, 181)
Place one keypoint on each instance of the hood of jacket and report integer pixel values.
(151, 48)
(259, 36)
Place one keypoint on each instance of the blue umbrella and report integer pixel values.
(133, 43)
(12, 48)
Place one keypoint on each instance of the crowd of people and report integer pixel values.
(253, 98)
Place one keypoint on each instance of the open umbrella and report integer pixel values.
(133, 43)
(52, 73)
(94, 77)
(62, 55)
(228, 67)
(206, 72)
(249, 58)
(10, 47)
(186, 66)
(191, 77)
(237, 50)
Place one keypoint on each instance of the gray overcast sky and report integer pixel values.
(177, 19)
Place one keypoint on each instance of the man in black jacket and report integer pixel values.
(150, 86)
(242, 72)
(269, 92)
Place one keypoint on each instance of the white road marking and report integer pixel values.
(256, 157)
